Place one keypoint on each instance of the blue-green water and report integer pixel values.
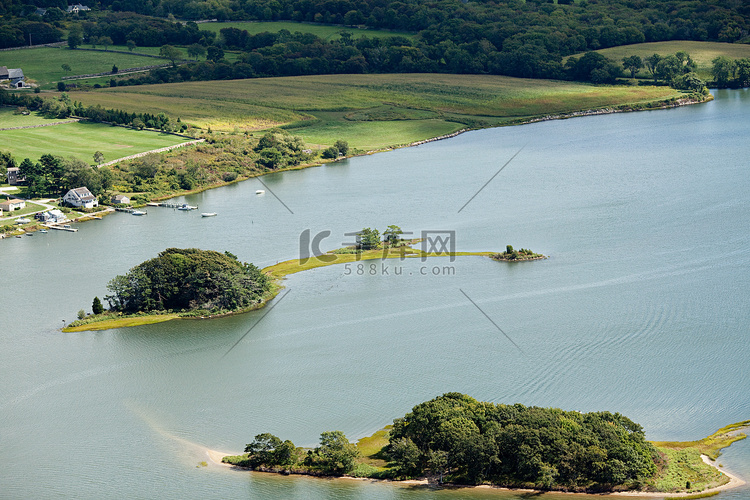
(642, 308)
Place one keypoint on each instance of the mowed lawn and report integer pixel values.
(324, 31)
(8, 118)
(81, 140)
(369, 111)
(44, 65)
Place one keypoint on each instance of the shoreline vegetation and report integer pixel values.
(371, 118)
(276, 274)
(676, 470)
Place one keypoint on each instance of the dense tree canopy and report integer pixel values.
(473, 441)
(188, 279)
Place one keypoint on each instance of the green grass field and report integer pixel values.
(43, 65)
(369, 111)
(327, 32)
(9, 119)
(81, 140)
(701, 52)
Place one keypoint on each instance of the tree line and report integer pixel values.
(515, 38)
(294, 54)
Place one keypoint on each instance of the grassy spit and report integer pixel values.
(278, 272)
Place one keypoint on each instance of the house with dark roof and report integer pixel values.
(14, 176)
(81, 197)
(16, 77)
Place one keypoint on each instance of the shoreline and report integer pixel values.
(625, 108)
(734, 482)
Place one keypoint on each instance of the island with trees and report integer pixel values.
(180, 283)
(456, 439)
(512, 255)
(193, 283)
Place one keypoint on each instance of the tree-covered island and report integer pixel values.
(183, 283)
(457, 439)
(512, 255)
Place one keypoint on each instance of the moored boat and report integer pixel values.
(209, 214)
(138, 212)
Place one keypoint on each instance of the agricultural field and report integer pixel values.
(701, 52)
(9, 118)
(44, 65)
(81, 140)
(370, 111)
(324, 31)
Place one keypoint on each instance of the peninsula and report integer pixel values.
(193, 283)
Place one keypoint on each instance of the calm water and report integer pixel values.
(642, 308)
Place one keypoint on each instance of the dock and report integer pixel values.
(61, 228)
(182, 206)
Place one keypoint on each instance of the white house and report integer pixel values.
(75, 9)
(12, 204)
(52, 217)
(81, 197)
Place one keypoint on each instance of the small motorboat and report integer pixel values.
(138, 212)
(260, 191)
(185, 207)
(43, 231)
(209, 214)
(22, 220)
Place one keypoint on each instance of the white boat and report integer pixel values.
(138, 212)
(43, 231)
(186, 207)
(22, 220)
(209, 214)
(260, 191)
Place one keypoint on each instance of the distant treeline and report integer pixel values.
(295, 54)
(516, 38)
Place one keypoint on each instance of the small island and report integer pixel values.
(179, 283)
(522, 255)
(455, 439)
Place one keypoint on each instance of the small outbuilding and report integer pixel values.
(16, 77)
(120, 199)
